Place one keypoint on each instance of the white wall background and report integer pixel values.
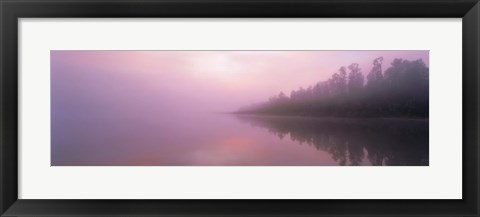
(442, 179)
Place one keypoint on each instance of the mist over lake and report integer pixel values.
(239, 108)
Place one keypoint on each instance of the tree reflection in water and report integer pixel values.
(393, 142)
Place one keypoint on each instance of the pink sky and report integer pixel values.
(199, 80)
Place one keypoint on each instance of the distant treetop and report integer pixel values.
(402, 90)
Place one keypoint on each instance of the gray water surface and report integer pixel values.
(207, 139)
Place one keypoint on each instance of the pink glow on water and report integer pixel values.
(148, 107)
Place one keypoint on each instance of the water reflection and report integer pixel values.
(120, 139)
(393, 142)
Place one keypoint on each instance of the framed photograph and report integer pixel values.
(239, 108)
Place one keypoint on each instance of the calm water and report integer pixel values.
(233, 140)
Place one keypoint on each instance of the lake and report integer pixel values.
(211, 139)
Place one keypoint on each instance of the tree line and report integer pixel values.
(402, 90)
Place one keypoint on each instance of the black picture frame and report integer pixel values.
(12, 10)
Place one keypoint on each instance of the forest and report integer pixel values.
(401, 90)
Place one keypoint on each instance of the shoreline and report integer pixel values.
(330, 117)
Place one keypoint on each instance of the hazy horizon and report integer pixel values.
(148, 108)
(205, 81)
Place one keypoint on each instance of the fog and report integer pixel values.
(169, 108)
(195, 81)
